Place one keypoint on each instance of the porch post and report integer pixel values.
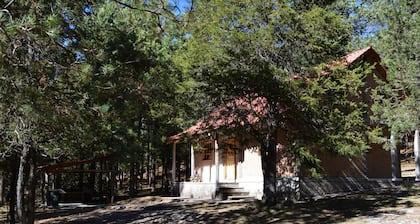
(216, 159)
(173, 163)
(417, 154)
(192, 162)
(395, 159)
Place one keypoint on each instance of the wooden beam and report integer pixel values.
(58, 166)
(81, 171)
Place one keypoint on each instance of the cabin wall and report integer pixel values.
(242, 164)
(249, 166)
(379, 162)
(204, 160)
(340, 166)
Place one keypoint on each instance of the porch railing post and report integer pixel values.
(192, 162)
(216, 160)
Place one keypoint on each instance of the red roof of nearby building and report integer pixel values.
(252, 107)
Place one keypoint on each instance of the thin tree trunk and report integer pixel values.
(163, 174)
(165, 168)
(100, 180)
(178, 170)
(91, 181)
(1, 187)
(81, 179)
(113, 181)
(136, 172)
(154, 174)
(29, 202)
(133, 179)
(141, 175)
(12, 191)
(44, 188)
(148, 169)
(20, 183)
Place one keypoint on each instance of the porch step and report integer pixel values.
(231, 191)
(240, 197)
(228, 185)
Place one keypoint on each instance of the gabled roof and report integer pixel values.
(353, 56)
(253, 106)
(367, 54)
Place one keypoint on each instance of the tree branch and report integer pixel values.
(132, 7)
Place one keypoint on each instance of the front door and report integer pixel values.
(230, 168)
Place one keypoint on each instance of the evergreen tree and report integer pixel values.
(392, 27)
(32, 56)
(254, 50)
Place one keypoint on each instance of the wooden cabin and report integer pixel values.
(223, 167)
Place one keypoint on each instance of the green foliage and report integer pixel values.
(256, 48)
(392, 27)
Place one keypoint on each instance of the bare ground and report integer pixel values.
(401, 206)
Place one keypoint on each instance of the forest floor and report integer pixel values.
(402, 206)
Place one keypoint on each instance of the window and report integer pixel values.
(207, 152)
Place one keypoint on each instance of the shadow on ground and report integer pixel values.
(322, 211)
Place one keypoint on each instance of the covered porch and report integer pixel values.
(219, 170)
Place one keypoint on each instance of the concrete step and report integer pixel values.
(240, 197)
(228, 185)
(231, 192)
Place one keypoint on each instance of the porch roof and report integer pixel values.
(235, 113)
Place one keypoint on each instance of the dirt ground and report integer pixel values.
(402, 206)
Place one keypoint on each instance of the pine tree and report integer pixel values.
(392, 27)
(254, 49)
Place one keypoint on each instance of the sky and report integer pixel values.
(182, 4)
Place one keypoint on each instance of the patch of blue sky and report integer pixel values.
(87, 9)
(80, 56)
(180, 6)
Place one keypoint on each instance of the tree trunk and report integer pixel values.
(29, 202)
(12, 191)
(100, 180)
(25, 204)
(141, 175)
(133, 180)
(113, 182)
(91, 180)
(148, 169)
(1, 187)
(20, 184)
(268, 161)
(81, 179)
(153, 174)
(165, 179)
